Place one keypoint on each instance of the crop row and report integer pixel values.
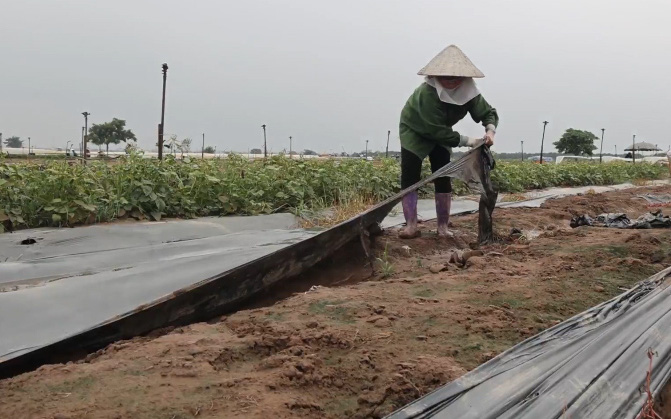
(57, 193)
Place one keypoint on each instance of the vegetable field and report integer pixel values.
(56, 193)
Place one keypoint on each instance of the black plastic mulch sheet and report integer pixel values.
(620, 220)
(656, 199)
(592, 365)
(149, 286)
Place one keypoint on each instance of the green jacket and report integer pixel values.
(426, 121)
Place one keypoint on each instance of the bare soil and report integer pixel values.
(341, 341)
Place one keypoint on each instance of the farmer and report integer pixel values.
(446, 96)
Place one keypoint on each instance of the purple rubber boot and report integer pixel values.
(410, 231)
(443, 204)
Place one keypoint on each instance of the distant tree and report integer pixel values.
(307, 152)
(112, 132)
(14, 142)
(209, 149)
(256, 151)
(576, 142)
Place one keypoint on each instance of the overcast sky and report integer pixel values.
(330, 73)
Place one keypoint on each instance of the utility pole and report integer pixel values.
(366, 149)
(633, 149)
(601, 151)
(386, 154)
(28, 147)
(202, 150)
(265, 143)
(522, 149)
(615, 150)
(290, 147)
(543, 140)
(86, 135)
(161, 128)
(81, 144)
(0, 143)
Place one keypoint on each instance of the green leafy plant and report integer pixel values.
(57, 193)
(385, 263)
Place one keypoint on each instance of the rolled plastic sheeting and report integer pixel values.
(592, 365)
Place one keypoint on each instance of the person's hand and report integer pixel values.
(489, 138)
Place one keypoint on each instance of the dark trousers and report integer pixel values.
(411, 168)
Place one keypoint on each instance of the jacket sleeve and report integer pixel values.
(482, 112)
(435, 123)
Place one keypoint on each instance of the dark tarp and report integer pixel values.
(620, 220)
(653, 220)
(656, 199)
(69, 303)
(582, 220)
(613, 220)
(592, 365)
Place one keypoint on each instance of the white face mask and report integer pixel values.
(460, 95)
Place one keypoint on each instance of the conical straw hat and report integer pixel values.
(451, 62)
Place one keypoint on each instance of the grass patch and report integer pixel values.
(429, 321)
(333, 310)
(509, 302)
(544, 318)
(514, 198)
(662, 253)
(332, 359)
(334, 215)
(423, 292)
(278, 317)
(471, 346)
(135, 373)
(458, 287)
(342, 407)
(576, 293)
(81, 386)
(617, 250)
